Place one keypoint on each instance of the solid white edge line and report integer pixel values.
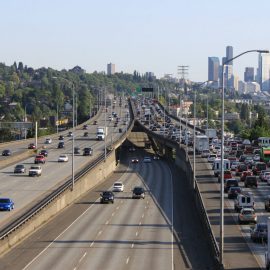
(172, 228)
(58, 236)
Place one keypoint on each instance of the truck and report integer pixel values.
(101, 133)
(35, 170)
(211, 133)
(201, 143)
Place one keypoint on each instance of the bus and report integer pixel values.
(265, 154)
(264, 141)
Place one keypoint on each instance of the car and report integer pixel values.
(134, 160)
(241, 168)
(227, 175)
(87, 151)
(247, 215)
(85, 127)
(95, 122)
(263, 174)
(61, 138)
(6, 204)
(256, 157)
(61, 145)
(267, 203)
(211, 158)
(258, 167)
(147, 160)
(234, 165)
(77, 150)
(156, 157)
(118, 186)
(132, 149)
(70, 134)
(230, 183)
(205, 153)
(107, 197)
(138, 192)
(251, 181)
(259, 233)
(233, 192)
(244, 175)
(48, 141)
(19, 168)
(35, 170)
(6, 152)
(85, 134)
(31, 146)
(249, 161)
(44, 152)
(63, 158)
(39, 159)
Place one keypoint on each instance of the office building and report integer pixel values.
(213, 68)
(252, 87)
(229, 54)
(110, 69)
(263, 75)
(228, 77)
(249, 74)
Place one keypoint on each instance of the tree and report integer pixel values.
(244, 112)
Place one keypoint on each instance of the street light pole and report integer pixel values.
(194, 140)
(57, 119)
(105, 129)
(221, 241)
(73, 135)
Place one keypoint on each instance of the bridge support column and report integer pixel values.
(168, 152)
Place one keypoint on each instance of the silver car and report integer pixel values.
(247, 215)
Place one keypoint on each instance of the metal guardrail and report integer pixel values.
(11, 227)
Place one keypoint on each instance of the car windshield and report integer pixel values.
(107, 193)
(19, 166)
(138, 189)
(4, 200)
(247, 212)
(118, 184)
(235, 189)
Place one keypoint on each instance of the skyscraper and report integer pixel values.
(263, 75)
(213, 68)
(110, 69)
(229, 54)
(249, 74)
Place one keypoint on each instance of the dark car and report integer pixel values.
(258, 167)
(251, 181)
(31, 146)
(85, 127)
(230, 183)
(95, 122)
(259, 233)
(20, 168)
(77, 150)
(61, 137)
(6, 152)
(233, 192)
(44, 152)
(6, 204)
(87, 151)
(61, 145)
(267, 203)
(138, 192)
(85, 134)
(241, 168)
(244, 175)
(107, 197)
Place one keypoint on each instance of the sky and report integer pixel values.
(144, 35)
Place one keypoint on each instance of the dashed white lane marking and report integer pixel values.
(117, 207)
(127, 260)
(112, 214)
(145, 207)
(82, 257)
(137, 233)
(107, 222)
(142, 215)
(140, 223)
(92, 244)
(100, 232)
(132, 246)
(75, 268)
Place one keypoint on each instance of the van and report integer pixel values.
(217, 166)
(244, 201)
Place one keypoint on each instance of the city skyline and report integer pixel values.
(156, 38)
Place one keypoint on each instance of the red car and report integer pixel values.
(227, 175)
(39, 159)
(244, 175)
(31, 146)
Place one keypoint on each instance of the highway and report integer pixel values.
(129, 234)
(25, 190)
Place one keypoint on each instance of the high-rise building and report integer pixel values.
(110, 69)
(249, 74)
(229, 54)
(213, 68)
(263, 75)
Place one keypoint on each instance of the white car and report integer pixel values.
(211, 158)
(147, 160)
(118, 186)
(256, 157)
(63, 158)
(205, 153)
(48, 141)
